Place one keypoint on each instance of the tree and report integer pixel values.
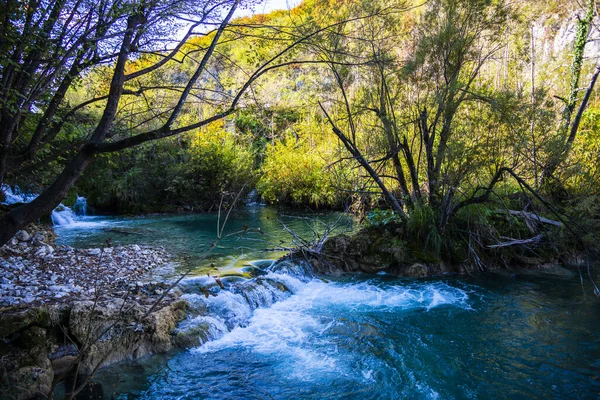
(414, 105)
(568, 126)
(51, 44)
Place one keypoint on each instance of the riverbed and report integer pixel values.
(276, 331)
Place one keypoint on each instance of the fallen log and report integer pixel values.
(516, 242)
(531, 216)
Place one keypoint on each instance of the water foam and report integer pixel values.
(16, 195)
(301, 331)
(62, 216)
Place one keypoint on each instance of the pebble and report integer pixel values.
(32, 271)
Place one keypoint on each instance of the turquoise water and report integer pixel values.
(287, 334)
(500, 337)
(249, 233)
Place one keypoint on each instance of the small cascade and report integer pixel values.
(253, 199)
(80, 206)
(61, 215)
(223, 307)
(16, 195)
(219, 307)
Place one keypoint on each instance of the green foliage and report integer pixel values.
(167, 175)
(294, 174)
(425, 58)
(379, 217)
(422, 229)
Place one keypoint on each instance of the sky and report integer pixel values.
(265, 6)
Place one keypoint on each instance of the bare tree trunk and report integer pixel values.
(558, 157)
(414, 175)
(556, 160)
(393, 146)
(22, 216)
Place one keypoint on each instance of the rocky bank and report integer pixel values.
(383, 249)
(65, 310)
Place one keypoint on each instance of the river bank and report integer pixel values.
(387, 249)
(47, 337)
(66, 310)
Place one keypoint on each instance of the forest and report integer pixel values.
(438, 116)
(459, 136)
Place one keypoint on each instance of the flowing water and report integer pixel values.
(250, 233)
(277, 331)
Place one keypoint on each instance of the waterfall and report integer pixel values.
(217, 309)
(61, 215)
(253, 199)
(16, 195)
(80, 206)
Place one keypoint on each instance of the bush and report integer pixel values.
(162, 176)
(295, 174)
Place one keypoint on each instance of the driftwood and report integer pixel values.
(516, 242)
(531, 216)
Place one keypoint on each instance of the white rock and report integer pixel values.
(59, 288)
(23, 236)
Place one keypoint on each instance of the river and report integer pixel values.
(276, 331)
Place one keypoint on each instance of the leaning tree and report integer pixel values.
(47, 47)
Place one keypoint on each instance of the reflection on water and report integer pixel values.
(254, 233)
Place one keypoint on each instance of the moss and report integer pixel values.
(71, 198)
(11, 323)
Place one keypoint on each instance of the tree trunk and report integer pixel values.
(365, 164)
(22, 216)
(42, 205)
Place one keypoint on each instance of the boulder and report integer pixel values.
(116, 333)
(367, 251)
(372, 250)
(31, 381)
(34, 351)
(24, 365)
